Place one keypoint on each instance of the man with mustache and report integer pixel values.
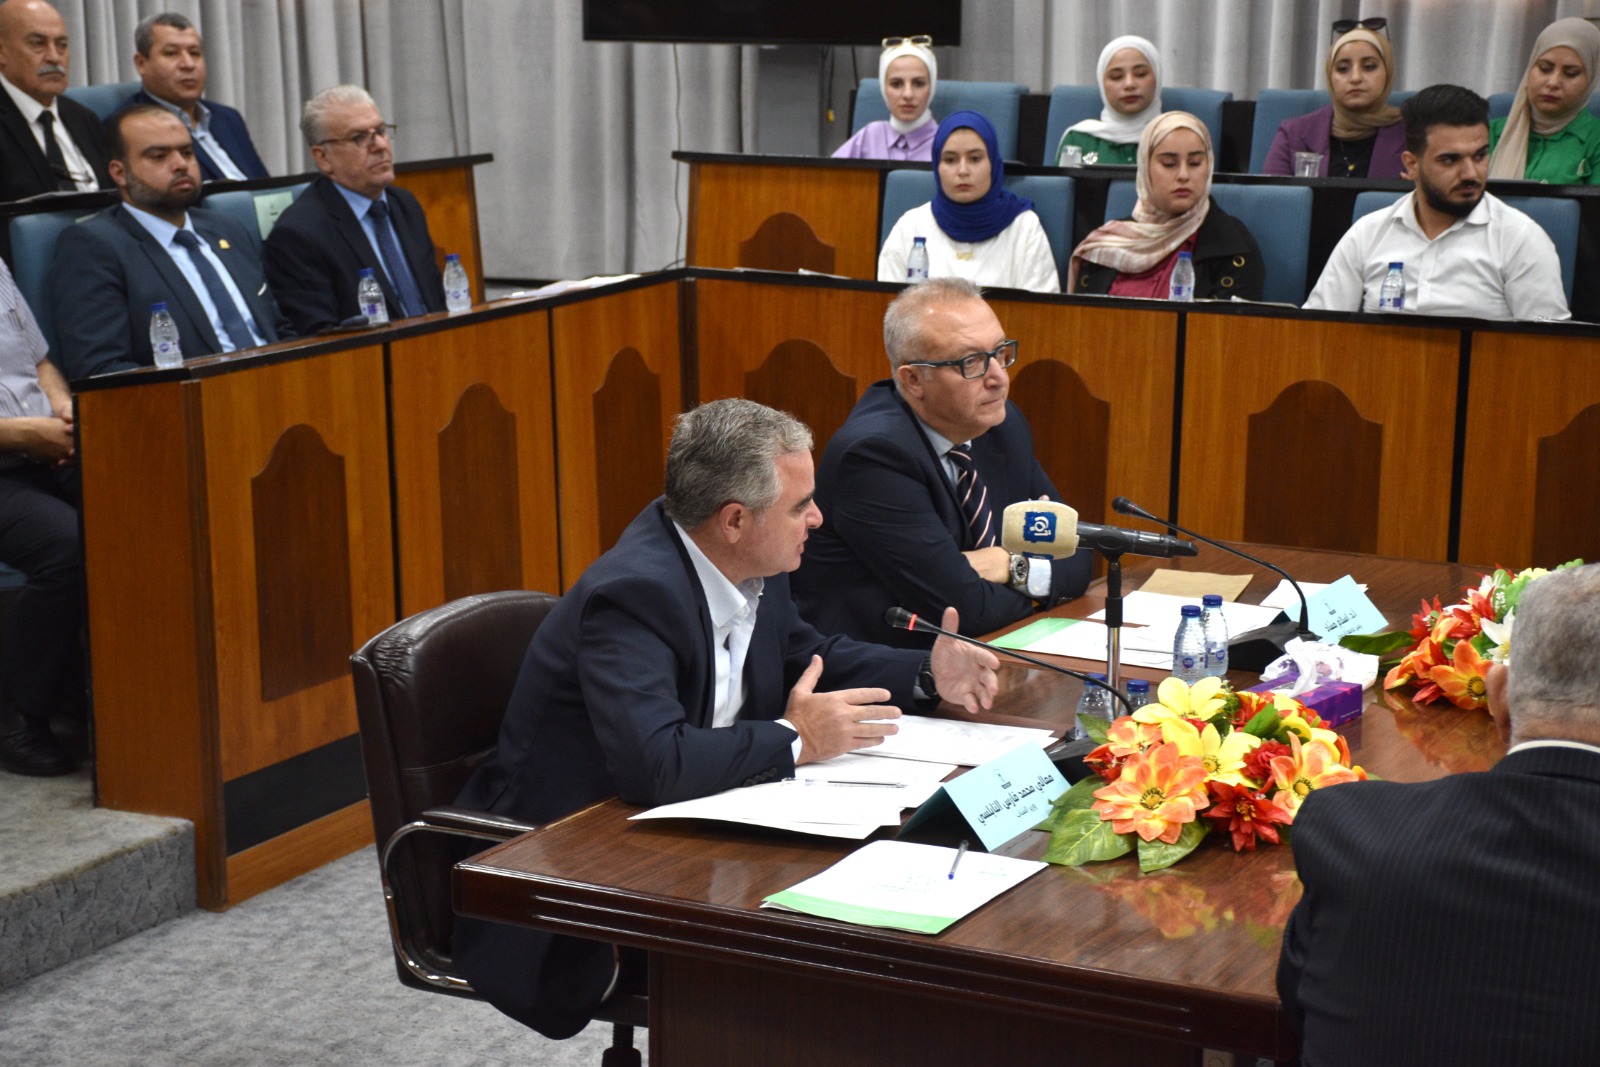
(1463, 250)
(156, 247)
(353, 218)
(47, 143)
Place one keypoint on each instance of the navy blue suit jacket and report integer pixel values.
(228, 127)
(24, 171)
(108, 270)
(317, 249)
(615, 697)
(892, 532)
(1449, 922)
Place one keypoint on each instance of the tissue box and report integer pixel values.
(1335, 702)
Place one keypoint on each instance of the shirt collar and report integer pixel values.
(358, 203)
(26, 104)
(159, 228)
(941, 444)
(1405, 213)
(725, 601)
(1552, 742)
(204, 122)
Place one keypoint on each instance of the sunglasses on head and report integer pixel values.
(1376, 25)
(920, 39)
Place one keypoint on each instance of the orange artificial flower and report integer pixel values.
(1462, 680)
(1159, 791)
(1309, 766)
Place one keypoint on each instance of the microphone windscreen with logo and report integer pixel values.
(1040, 528)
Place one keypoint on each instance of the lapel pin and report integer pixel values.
(223, 244)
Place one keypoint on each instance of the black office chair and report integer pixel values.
(430, 693)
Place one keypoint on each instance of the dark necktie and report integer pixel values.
(232, 321)
(52, 153)
(973, 497)
(394, 262)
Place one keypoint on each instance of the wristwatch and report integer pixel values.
(925, 684)
(1019, 572)
(1028, 579)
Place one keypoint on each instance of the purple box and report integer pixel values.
(1335, 702)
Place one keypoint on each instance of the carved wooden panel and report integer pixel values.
(1566, 500)
(729, 202)
(798, 377)
(479, 517)
(626, 481)
(1292, 496)
(302, 553)
(785, 241)
(1076, 426)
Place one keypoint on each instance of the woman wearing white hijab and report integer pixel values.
(1129, 76)
(907, 76)
(1550, 135)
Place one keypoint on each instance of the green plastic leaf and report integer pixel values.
(1085, 838)
(1155, 855)
(1097, 729)
(1265, 724)
(1077, 798)
(1379, 645)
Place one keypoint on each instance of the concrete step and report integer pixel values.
(75, 878)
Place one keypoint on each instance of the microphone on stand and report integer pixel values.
(1255, 649)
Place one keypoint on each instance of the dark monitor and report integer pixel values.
(819, 22)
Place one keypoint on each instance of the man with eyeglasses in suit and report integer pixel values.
(351, 218)
(915, 483)
(48, 144)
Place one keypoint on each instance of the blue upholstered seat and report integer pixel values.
(103, 99)
(999, 102)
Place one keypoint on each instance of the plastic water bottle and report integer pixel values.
(1215, 627)
(164, 337)
(917, 261)
(1392, 297)
(1095, 703)
(457, 291)
(1138, 694)
(1182, 285)
(1189, 647)
(369, 294)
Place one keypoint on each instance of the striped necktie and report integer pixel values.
(973, 497)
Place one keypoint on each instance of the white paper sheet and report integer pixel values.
(968, 744)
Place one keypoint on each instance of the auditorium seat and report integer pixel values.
(1071, 104)
(999, 102)
(1277, 216)
(255, 209)
(1273, 108)
(103, 99)
(1052, 197)
(1558, 215)
(33, 246)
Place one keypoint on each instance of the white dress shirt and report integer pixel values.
(1018, 257)
(164, 232)
(77, 164)
(1496, 263)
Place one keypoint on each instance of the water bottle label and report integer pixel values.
(1188, 663)
(375, 312)
(1181, 292)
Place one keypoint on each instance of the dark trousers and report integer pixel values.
(41, 650)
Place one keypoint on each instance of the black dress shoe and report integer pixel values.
(34, 750)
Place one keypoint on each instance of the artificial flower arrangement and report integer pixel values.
(1200, 757)
(1448, 650)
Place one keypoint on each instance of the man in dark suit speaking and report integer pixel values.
(676, 668)
(48, 143)
(1458, 921)
(172, 68)
(353, 217)
(154, 247)
(915, 482)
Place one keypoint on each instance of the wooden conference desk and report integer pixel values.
(1091, 965)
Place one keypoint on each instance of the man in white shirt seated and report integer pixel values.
(172, 67)
(1463, 250)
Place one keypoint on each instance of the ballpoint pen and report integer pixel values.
(962, 851)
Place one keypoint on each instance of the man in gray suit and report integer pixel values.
(156, 247)
(1458, 921)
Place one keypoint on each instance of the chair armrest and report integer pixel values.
(465, 821)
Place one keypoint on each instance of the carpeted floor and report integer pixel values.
(298, 975)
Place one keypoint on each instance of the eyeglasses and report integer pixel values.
(363, 138)
(921, 39)
(977, 364)
(1343, 26)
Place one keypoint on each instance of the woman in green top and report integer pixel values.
(1129, 72)
(1550, 135)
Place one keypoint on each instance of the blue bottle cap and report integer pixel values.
(1097, 676)
(162, 306)
(1190, 611)
(1397, 266)
(366, 272)
(1212, 600)
(1138, 685)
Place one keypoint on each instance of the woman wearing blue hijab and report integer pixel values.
(973, 228)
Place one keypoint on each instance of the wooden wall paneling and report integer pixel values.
(730, 203)
(336, 402)
(609, 351)
(449, 197)
(149, 609)
(1528, 497)
(1082, 367)
(477, 396)
(1403, 378)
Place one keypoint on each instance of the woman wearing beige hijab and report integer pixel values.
(1359, 135)
(1550, 135)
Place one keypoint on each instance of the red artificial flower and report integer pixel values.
(1258, 765)
(1247, 814)
(1104, 763)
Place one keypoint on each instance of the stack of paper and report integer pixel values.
(968, 744)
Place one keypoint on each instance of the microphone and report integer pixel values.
(899, 618)
(1050, 528)
(1253, 650)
